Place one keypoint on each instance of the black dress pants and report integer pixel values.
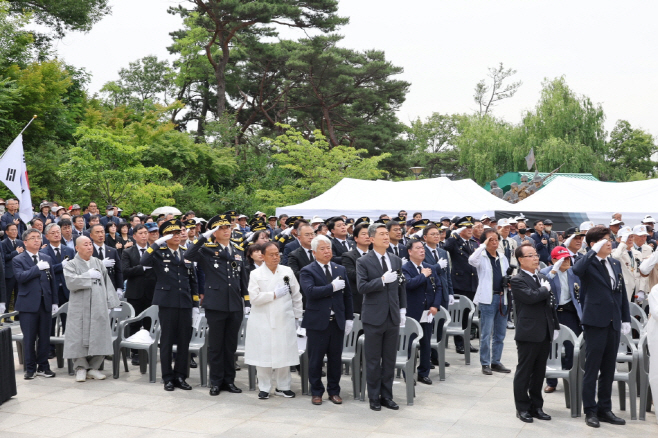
(319, 343)
(380, 348)
(530, 373)
(601, 345)
(223, 329)
(36, 338)
(176, 325)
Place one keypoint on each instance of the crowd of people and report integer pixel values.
(292, 276)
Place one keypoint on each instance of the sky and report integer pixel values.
(605, 49)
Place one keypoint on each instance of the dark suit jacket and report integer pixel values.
(115, 273)
(57, 267)
(379, 300)
(349, 263)
(7, 219)
(141, 283)
(421, 293)
(33, 282)
(10, 253)
(321, 298)
(297, 260)
(445, 274)
(290, 247)
(464, 276)
(556, 288)
(3, 284)
(337, 249)
(542, 250)
(600, 302)
(402, 251)
(105, 219)
(176, 283)
(535, 318)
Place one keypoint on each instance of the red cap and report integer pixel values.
(559, 252)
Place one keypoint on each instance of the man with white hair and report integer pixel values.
(629, 258)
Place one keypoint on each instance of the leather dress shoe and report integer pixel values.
(447, 364)
(486, 370)
(474, 350)
(389, 403)
(135, 361)
(524, 416)
(335, 399)
(375, 405)
(592, 420)
(214, 390)
(192, 363)
(459, 350)
(316, 400)
(432, 367)
(169, 386)
(179, 382)
(434, 361)
(611, 418)
(549, 389)
(499, 368)
(230, 387)
(426, 380)
(540, 414)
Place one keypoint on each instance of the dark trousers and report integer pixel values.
(140, 305)
(62, 299)
(459, 340)
(223, 328)
(381, 346)
(530, 373)
(601, 344)
(36, 338)
(176, 325)
(12, 294)
(425, 349)
(319, 343)
(571, 320)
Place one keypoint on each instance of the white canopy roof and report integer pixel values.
(434, 197)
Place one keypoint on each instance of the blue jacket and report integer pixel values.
(556, 288)
(33, 282)
(542, 250)
(421, 292)
(9, 254)
(287, 250)
(321, 298)
(57, 267)
(445, 274)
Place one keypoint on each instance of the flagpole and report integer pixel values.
(28, 124)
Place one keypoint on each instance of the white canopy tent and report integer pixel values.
(434, 197)
(574, 201)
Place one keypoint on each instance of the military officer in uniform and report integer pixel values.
(177, 297)
(226, 287)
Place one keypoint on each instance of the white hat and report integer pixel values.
(503, 222)
(316, 220)
(520, 218)
(259, 213)
(648, 220)
(640, 230)
(242, 216)
(615, 222)
(625, 231)
(510, 221)
(484, 216)
(585, 226)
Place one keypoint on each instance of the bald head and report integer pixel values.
(84, 247)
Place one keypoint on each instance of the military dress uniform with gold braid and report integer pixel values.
(224, 296)
(175, 294)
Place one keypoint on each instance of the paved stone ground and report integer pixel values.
(466, 404)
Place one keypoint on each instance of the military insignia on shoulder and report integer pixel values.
(195, 241)
(149, 250)
(236, 246)
(184, 248)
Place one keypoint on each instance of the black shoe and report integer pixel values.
(52, 355)
(432, 367)
(459, 350)
(230, 387)
(179, 382)
(389, 403)
(237, 367)
(472, 336)
(135, 361)
(29, 375)
(611, 418)
(486, 370)
(426, 380)
(474, 350)
(524, 416)
(592, 420)
(375, 405)
(447, 364)
(214, 390)
(499, 368)
(169, 386)
(262, 395)
(193, 363)
(434, 361)
(285, 393)
(540, 414)
(45, 373)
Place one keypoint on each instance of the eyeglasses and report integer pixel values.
(531, 256)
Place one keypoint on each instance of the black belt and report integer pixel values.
(497, 292)
(567, 307)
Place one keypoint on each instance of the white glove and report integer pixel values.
(247, 310)
(280, 291)
(451, 300)
(338, 284)
(249, 236)
(556, 333)
(287, 231)
(598, 245)
(390, 277)
(624, 238)
(459, 230)
(555, 269)
(108, 263)
(568, 241)
(147, 267)
(64, 263)
(209, 233)
(544, 283)
(119, 293)
(443, 263)
(404, 260)
(625, 328)
(403, 317)
(163, 239)
(349, 324)
(298, 323)
(647, 265)
(418, 234)
(55, 308)
(43, 265)
(195, 312)
(3, 307)
(640, 297)
(93, 273)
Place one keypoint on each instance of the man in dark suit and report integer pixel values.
(12, 216)
(606, 313)
(12, 246)
(328, 317)
(340, 243)
(92, 210)
(438, 259)
(78, 226)
(396, 245)
(361, 244)
(290, 242)
(424, 293)
(537, 325)
(37, 301)
(109, 256)
(303, 255)
(140, 283)
(383, 313)
(541, 240)
(109, 216)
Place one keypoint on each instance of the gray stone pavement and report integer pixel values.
(466, 404)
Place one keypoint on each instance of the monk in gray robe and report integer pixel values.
(88, 337)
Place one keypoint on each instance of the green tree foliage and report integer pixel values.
(488, 95)
(63, 15)
(630, 153)
(434, 143)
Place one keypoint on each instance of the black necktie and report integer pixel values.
(536, 280)
(384, 266)
(36, 260)
(15, 244)
(58, 255)
(605, 267)
(310, 255)
(176, 256)
(345, 245)
(327, 274)
(395, 250)
(419, 269)
(141, 250)
(436, 256)
(100, 253)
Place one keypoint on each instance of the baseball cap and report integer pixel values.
(640, 230)
(648, 220)
(625, 231)
(151, 226)
(559, 252)
(503, 222)
(585, 226)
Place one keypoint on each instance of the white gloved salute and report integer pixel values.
(624, 238)
(338, 284)
(163, 239)
(545, 283)
(389, 277)
(443, 263)
(287, 231)
(556, 268)
(108, 263)
(43, 265)
(93, 273)
(647, 265)
(280, 291)
(349, 324)
(598, 245)
(209, 233)
(625, 327)
(568, 241)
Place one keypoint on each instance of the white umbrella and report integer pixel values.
(166, 210)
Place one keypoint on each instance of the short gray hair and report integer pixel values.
(29, 231)
(316, 241)
(372, 229)
(49, 227)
